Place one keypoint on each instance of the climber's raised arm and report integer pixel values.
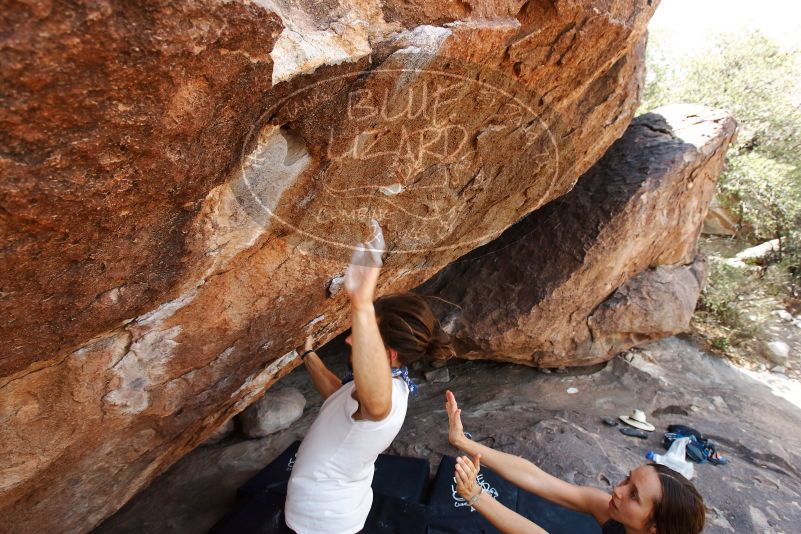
(371, 368)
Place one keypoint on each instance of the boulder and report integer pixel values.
(278, 409)
(720, 220)
(182, 183)
(441, 375)
(757, 254)
(776, 351)
(220, 434)
(548, 291)
(653, 304)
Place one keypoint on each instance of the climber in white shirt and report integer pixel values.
(329, 489)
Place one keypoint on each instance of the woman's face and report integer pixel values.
(632, 502)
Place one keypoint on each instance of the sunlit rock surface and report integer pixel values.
(182, 181)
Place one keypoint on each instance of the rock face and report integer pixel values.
(180, 182)
(273, 412)
(720, 220)
(221, 433)
(776, 351)
(538, 294)
(653, 304)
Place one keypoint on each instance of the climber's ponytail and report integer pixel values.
(408, 325)
(440, 346)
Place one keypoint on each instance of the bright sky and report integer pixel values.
(690, 22)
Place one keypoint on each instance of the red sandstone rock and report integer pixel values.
(540, 294)
(169, 173)
(651, 305)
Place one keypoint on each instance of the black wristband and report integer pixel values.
(303, 356)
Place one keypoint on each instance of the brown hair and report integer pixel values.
(408, 325)
(681, 509)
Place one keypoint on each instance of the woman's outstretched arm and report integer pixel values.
(501, 517)
(525, 474)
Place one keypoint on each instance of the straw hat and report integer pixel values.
(637, 420)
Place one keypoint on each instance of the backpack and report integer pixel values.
(699, 449)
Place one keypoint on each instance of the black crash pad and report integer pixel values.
(555, 519)
(449, 513)
(399, 485)
(395, 476)
(272, 478)
(264, 514)
(401, 477)
(391, 515)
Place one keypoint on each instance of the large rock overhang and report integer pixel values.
(163, 168)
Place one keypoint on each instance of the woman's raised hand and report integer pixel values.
(455, 429)
(466, 472)
(365, 265)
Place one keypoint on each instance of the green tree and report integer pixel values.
(750, 76)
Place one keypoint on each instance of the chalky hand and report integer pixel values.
(365, 265)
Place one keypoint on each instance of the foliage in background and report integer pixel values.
(719, 296)
(760, 85)
(726, 286)
(792, 256)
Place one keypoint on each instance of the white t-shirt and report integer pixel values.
(329, 489)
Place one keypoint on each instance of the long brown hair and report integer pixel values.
(408, 325)
(681, 509)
